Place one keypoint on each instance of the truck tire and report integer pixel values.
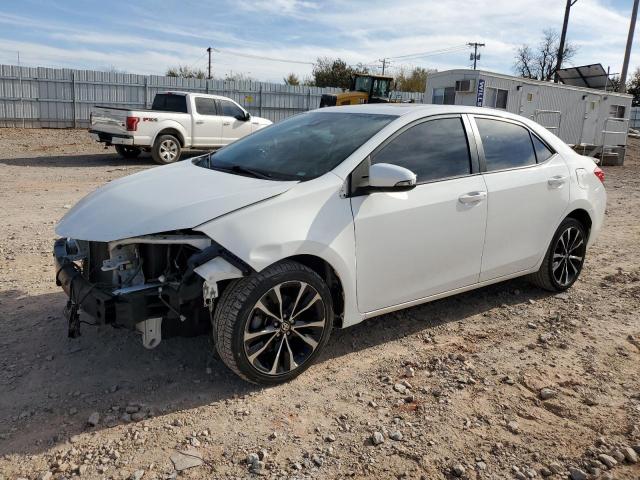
(166, 149)
(271, 326)
(126, 151)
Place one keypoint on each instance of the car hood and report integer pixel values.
(162, 199)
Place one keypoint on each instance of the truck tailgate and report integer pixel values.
(109, 120)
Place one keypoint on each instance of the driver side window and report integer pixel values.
(230, 109)
(433, 150)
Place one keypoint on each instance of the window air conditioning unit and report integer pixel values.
(465, 85)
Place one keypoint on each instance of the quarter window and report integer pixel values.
(206, 106)
(230, 109)
(433, 150)
(506, 145)
(542, 151)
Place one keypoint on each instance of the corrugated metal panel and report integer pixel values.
(634, 118)
(584, 113)
(62, 98)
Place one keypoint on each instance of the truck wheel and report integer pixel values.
(166, 149)
(126, 151)
(271, 326)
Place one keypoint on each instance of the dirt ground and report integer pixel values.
(504, 382)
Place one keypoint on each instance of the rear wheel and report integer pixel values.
(563, 262)
(166, 149)
(127, 151)
(271, 326)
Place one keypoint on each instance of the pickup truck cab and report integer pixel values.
(176, 120)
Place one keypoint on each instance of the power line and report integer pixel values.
(432, 52)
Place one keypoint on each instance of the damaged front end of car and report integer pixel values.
(160, 285)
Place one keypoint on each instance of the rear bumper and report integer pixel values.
(112, 138)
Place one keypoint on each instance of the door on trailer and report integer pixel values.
(591, 109)
(529, 101)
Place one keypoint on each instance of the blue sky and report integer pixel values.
(148, 36)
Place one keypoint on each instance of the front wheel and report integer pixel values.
(563, 262)
(271, 326)
(127, 151)
(166, 149)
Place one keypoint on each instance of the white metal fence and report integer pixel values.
(634, 118)
(62, 98)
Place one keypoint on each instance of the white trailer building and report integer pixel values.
(594, 122)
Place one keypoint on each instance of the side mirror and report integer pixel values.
(387, 177)
(243, 117)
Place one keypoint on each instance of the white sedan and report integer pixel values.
(324, 220)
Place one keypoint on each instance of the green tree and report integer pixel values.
(633, 88)
(414, 80)
(291, 79)
(334, 72)
(184, 71)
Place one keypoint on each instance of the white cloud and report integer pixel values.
(359, 32)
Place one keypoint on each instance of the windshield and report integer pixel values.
(299, 148)
(363, 84)
(380, 88)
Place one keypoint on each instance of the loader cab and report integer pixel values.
(365, 88)
(377, 87)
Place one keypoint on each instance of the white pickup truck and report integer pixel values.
(176, 120)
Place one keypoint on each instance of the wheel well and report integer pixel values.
(583, 217)
(329, 275)
(171, 131)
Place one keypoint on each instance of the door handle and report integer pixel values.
(199, 122)
(557, 181)
(226, 123)
(472, 197)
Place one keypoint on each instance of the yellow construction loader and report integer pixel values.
(365, 88)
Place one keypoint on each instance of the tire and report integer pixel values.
(561, 275)
(126, 151)
(166, 149)
(284, 346)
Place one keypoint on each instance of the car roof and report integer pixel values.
(399, 109)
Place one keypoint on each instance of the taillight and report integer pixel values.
(132, 123)
(599, 173)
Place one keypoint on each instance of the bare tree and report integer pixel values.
(541, 63)
(633, 87)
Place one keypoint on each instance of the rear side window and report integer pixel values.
(433, 150)
(230, 109)
(206, 106)
(542, 151)
(506, 145)
(166, 102)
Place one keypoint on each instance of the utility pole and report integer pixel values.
(475, 56)
(627, 52)
(384, 63)
(209, 73)
(563, 37)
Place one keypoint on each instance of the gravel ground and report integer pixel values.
(504, 382)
